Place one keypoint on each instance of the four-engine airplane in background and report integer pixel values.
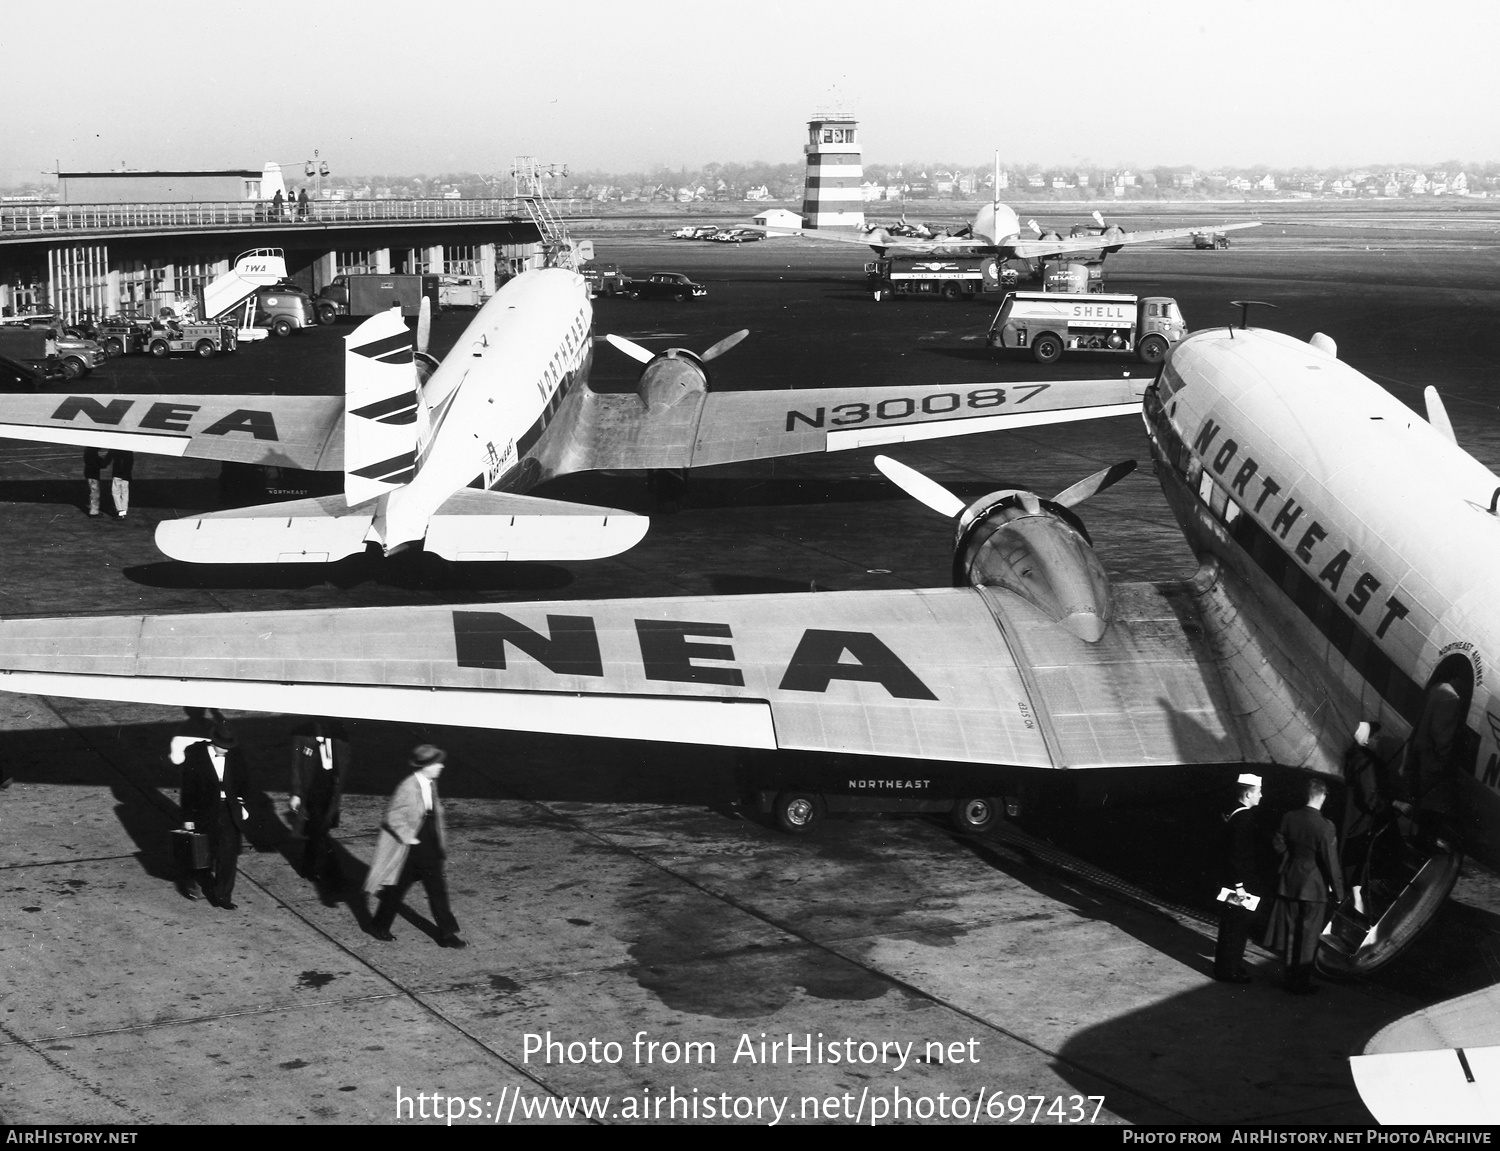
(1349, 551)
(441, 453)
(996, 231)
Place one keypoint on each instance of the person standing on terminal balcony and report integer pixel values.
(121, 464)
(1308, 851)
(1237, 874)
(302, 204)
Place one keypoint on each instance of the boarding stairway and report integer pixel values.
(235, 289)
(559, 249)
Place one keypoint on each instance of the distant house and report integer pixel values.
(779, 218)
(1267, 183)
(1459, 185)
(1393, 188)
(1036, 180)
(760, 193)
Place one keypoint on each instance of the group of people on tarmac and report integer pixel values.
(1312, 875)
(412, 846)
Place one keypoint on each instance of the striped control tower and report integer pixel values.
(833, 198)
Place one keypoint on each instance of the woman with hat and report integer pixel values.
(412, 847)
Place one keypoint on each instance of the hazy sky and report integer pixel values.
(441, 86)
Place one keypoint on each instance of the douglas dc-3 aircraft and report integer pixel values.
(441, 453)
(1350, 552)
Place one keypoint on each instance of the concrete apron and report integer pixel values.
(123, 1002)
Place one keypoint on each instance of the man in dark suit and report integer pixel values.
(320, 761)
(1237, 875)
(213, 803)
(1309, 854)
(412, 847)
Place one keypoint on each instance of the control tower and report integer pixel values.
(832, 198)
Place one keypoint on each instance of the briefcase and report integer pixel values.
(190, 849)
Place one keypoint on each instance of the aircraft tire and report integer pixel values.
(1046, 349)
(1152, 350)
(976, 814)
(799, 812)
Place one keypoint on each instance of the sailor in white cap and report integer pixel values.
(1238, 877)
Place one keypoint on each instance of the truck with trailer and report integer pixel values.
(369, 295)
(951, 278)
(1047, 324)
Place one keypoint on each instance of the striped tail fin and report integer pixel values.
(386, 420)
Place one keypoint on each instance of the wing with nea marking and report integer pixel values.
(303, 432)
(727, 427)
(951, 674)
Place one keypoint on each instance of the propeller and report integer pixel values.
(932, 494)
(426, 364)
(646, 355)
(1034, 226)
(1437, 415)
(1099, 219)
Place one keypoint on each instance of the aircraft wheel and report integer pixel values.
(1047, 348)
(1152, 350)
(160, 349)
(205, 349)
(798, 812)
(976, 814)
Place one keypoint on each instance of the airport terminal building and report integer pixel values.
(141, 241)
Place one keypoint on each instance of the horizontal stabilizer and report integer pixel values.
(318, 530)
(484, 525)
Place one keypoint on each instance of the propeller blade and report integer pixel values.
(919, 487)
(1099, 219)
(1437, 415)
(724, 345)
(1095, 484)
(1034, 226)
(424, 324)
(631, 348)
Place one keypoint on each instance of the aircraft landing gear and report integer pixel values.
(799, 812)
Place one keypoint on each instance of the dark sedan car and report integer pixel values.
(666, 286)
(18, 377)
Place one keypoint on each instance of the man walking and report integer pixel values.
(213, 803)
(1309, 856)
(320, 761)
(412, 847)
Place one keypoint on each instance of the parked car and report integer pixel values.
(665, 286)
(77, 353)
(18, 377)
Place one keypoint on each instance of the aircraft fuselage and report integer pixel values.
(1366, 533)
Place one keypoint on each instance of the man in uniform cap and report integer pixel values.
(412, 846)
(212, 799)
(1237, 875)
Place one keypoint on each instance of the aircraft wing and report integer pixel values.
(726, 427)
(1039, 249)
(303, 432)
(1439, 1065)
(953, 674)
(884, 242)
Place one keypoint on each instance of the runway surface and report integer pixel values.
(611, 889)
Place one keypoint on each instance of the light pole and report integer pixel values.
(315, 169)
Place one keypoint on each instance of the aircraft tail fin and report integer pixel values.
(387, 423)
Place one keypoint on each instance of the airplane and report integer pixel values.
(441, 454)
(1348, 552)
(996, 231)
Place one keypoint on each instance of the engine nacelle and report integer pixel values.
(670, 378)
(1041, 551)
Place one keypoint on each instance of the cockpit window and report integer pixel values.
(1169, 382)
